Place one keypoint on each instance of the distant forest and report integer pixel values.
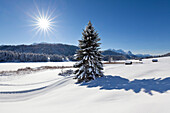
(37, 53)
(44, 52)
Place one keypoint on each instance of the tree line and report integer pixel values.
(10, 56)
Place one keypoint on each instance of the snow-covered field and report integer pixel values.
(15, 66)
(137, 88)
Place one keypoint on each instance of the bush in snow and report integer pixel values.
(154, 60)
(89, 56)
(66, 73)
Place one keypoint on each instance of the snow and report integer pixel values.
(46, 91)
(15, 66)
(148, 69)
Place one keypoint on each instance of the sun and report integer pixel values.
(43, 22)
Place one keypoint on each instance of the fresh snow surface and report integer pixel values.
(117, 92)
(15, 66)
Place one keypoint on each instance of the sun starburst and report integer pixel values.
(43, 22)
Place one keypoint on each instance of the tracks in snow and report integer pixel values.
(21, 95)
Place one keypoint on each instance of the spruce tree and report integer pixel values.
(89, 56)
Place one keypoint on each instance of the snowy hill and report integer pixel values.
(132, 88)
(168, 54)
(42, 48)
(118, 54)
(143, 55)
(129, 53)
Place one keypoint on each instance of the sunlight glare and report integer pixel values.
(43, 22)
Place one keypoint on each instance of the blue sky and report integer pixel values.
(142, 26)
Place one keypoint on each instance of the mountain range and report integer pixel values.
(65, 50)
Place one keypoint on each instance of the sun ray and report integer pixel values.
(43, 21)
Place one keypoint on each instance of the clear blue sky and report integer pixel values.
(142, 26)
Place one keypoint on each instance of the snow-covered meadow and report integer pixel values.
(136, 88)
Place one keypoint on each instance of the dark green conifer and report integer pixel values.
(89, 56)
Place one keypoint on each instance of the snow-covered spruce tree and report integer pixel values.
(89, 56)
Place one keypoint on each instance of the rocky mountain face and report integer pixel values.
(115, 55)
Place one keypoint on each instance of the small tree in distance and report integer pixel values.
(89, 56)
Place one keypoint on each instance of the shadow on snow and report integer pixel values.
(116, 82)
